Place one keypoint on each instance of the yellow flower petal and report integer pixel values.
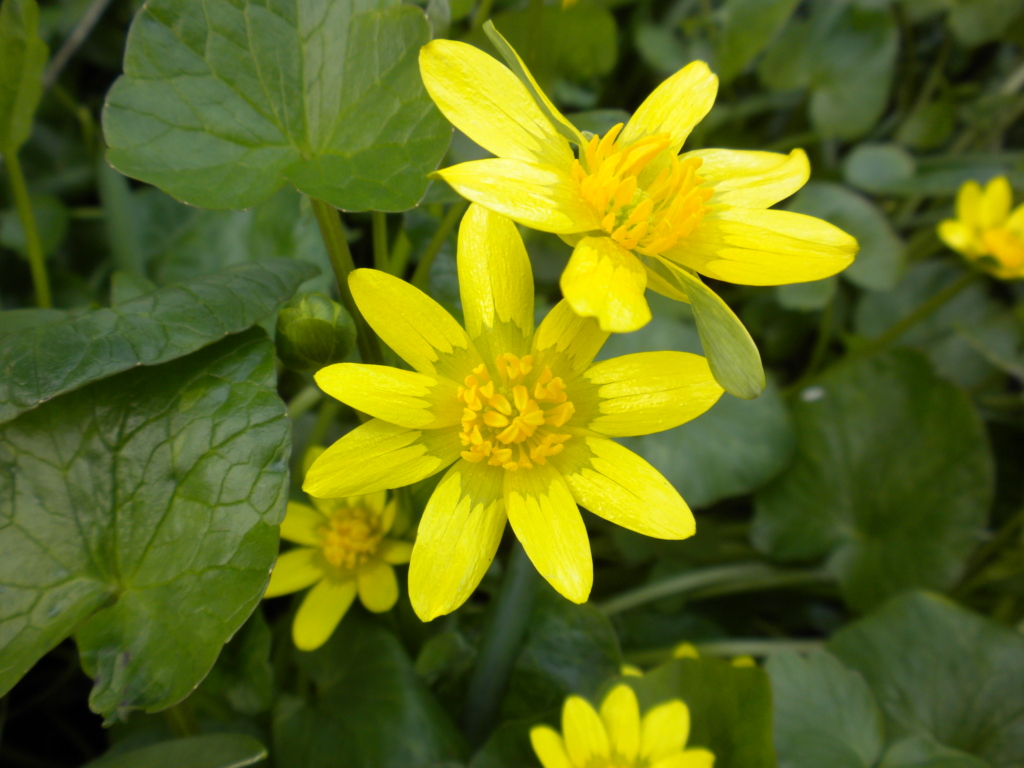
(585, 738)
(691, 758)
(752, 179)
(620, 712)
(422, 333)
(1015, 223)
(488, 103)
(409, 399)
(995, 203)
(606, 281)
(457, 538)
(644, 392)
(321, 611)
(295, 570)
(959, 237)
(549, 747)
(616, 484)
(377, 455)
(538, 196)
(674, 107)
(302, 524)
(968, 203)
(769, 247)
(495, 283)
(378, 587)
(546, 520)
(377, 502)
(395, 552)
(567, 341)
(664, 730)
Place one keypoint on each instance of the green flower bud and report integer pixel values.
(313, 331)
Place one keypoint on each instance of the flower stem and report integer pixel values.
(421, 277)
(380, 241)
(28, 223)
(333, 233)
(503, 636)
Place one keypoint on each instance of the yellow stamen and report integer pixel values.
(351, 537)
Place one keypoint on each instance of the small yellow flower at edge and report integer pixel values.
(618, 737)
(629, 203)
(345, 551)
(985, 230)
(523, 417)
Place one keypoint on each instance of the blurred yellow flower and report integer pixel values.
(345, 550)
(985, 230)
(630, 204)
(618, 737)
(524, 417)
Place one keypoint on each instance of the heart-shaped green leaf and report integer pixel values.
(22, 58)
(222, 103)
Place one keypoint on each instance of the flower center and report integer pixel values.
(351, 537)
(1005, 246)
(649, 219)
(507, 422)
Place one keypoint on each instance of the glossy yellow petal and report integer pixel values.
(605, 281)
(674, 107)
(322, 609)
(488, 103)
(378, 587)
(546, 520)
(958, 236)
(377, 455)
(996, 201)
(968, 203)
(771, 247)
(620, 712)
(1015, 222)
(643, 393)
(457, 538)
(616, 484)
(664, 730)
(751, 179)
(691, 758)
(422, 333)
(295, 570)
(407, 398)
(395, 552)
(302, 524)
(538, 196)
(495, 283)
(549, 747)
(567, 342)
(585, 738)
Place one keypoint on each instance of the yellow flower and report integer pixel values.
(617, 737)
(524, 417)
(345, 550)
(638, 213)
(985, 230)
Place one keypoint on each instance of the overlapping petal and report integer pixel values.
(751, 179)
(664, 731)
(295, 570)
(690, 758)
(568, 340)
(585, 738)
(995, 203)
(378, 587)
(620, 712)
(605, 281)
(320, 612)
(302, 524)
(550, 747)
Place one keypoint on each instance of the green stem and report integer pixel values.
(400, 254)
(820, 346)
(499, 648)
(421, 277)
(739, 647)
(28, 222)
(333, 233)
(739, 577)
(380, 241)
(483, 13)
(302, 402)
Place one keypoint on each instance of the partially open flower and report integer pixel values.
(986, 231)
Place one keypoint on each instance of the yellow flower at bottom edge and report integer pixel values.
(638, 213)
(985, 230)
(345, 551)
(524, 418)
(618, 737)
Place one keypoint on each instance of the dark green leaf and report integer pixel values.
(140, 514)
(979, 21)
(730, 707)
(939, 669)
(825, 714)
(152, 329)
(22, 58)
(223, 103)
(747, 27)
(220, 750)
(370, 709)
(892, 481)
(888, 169)
(807, 297)
(922, 751)
(242, 680)
(509, 747)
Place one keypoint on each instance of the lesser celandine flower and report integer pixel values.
(617, 737)
(345, 550)
(629, 202)
(524, 417)
(985, 230)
